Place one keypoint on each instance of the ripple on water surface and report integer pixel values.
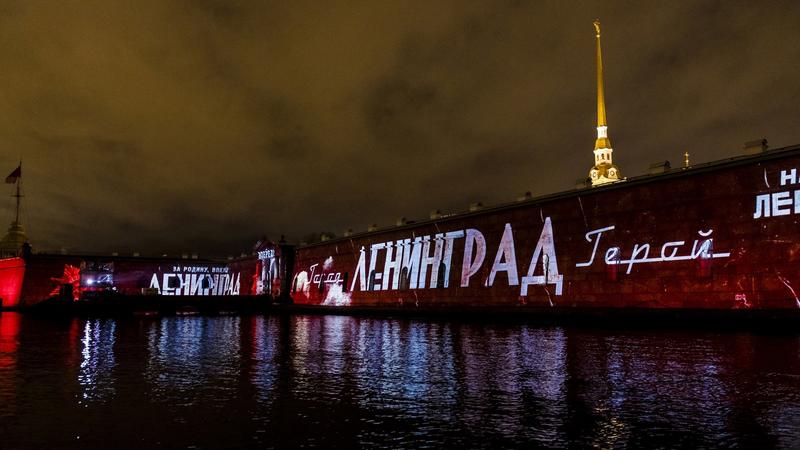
(336, 381)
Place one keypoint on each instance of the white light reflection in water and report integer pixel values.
(95, 375)
(533, 385)
(355, 382)
(336, 343)
(542, 375)
(435, 374)
(265, 349)
(305, 331)
(389, 345)
(414, 356)
(193, 357)
(507, 371)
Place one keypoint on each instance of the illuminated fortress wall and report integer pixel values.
(78, 277)
(263, 273)
(724, 236)
(12, 273)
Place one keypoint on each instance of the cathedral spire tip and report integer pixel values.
(604, 170)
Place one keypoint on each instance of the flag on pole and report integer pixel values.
(15, 175)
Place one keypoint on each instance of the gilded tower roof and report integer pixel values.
(604, 170)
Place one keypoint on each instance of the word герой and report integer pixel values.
(641, 252)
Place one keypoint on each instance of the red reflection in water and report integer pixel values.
(73, 354)
(9, 332)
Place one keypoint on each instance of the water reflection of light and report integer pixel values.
(9, 343)
(9, 331)
(389, 346)
(336, 342)
(300, 336)
(504, 372)
(366, 382)
(265, 348)
(188, 355)
(97, 360)
(306, 333)
(543, 354)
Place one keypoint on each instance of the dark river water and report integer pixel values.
(353, 382)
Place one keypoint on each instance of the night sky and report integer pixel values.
(198, 126)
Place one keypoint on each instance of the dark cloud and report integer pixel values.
(174, 126)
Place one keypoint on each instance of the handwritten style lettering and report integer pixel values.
(702, 248)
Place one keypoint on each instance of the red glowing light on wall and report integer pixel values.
(254, 278)
(12, 272)
(71, 276)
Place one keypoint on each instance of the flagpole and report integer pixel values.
(19, 180)
(16, 178)
(18, 196)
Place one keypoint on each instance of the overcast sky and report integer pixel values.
(197, 126)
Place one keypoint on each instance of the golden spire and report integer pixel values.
(602, 127)
(604, 170)
(601, 100)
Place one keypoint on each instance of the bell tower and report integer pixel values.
(604, 170)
